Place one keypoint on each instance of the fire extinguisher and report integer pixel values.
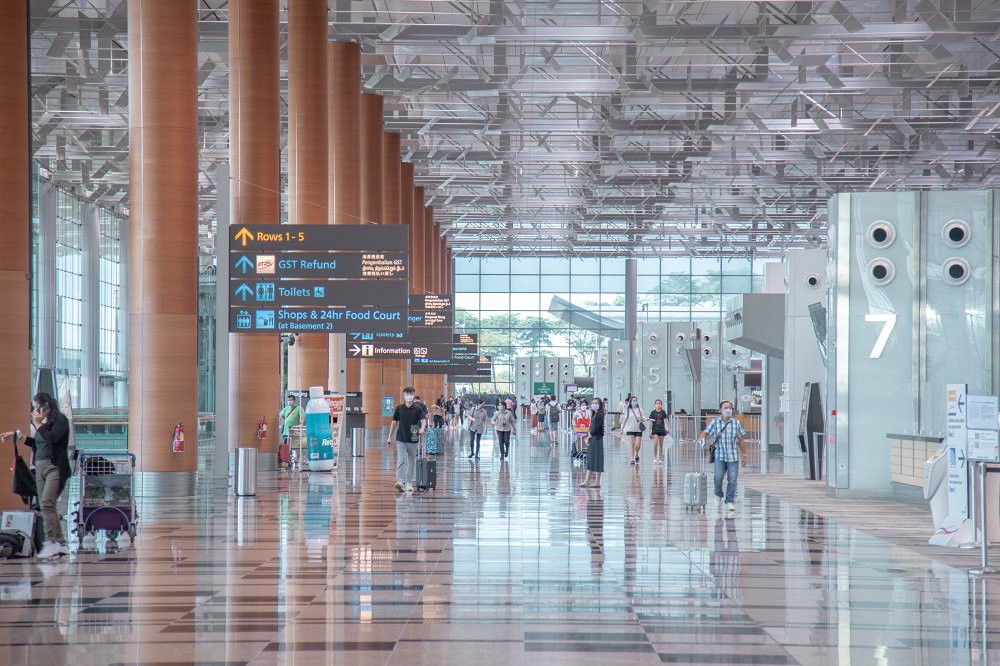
(179, 438)
(262, 429)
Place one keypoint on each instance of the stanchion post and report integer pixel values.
(985, 569)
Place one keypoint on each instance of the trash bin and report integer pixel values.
(358, 442)
(246, 471)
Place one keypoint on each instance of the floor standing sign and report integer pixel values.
(337, 404)
(958, 467)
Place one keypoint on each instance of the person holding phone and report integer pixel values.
(49, 442)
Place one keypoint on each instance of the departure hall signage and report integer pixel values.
(322, 278)
(431, 320)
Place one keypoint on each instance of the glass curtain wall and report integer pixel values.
(70, 274)
(507, 301)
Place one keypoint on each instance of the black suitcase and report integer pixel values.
(426, 474)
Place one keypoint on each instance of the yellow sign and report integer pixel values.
(243, 235)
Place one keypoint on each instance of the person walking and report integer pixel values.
(730, 452)
(50, 443)
(595, 447)
(633, 427)
(504, 423)
(477, 428)
(409, 423)
(581, 425)
(552, 418)
(534, 415)
(659, 427)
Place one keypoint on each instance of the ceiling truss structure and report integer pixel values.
(596, 127)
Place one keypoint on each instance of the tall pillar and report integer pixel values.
(417, 264)
(392, 369)
(406, 217)
(344, 92)
(90, 338)
(15, 227)
(255, 159)
(631, 298)
(163, 271)
(308, 162)
(45, 278)
(430, 283)
(371, 211)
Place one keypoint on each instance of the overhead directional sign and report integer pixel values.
(368, 350)
(329, 265)
(431, 320)
(320, 237)
(323, 278)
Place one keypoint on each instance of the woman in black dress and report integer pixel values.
(595, 448)
(659, 427)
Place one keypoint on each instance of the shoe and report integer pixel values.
(399, 487)
(730, 507)
(637, 460)
(472, 455)
(632, 461)
(410, 488)
(49, 551)
(62, 550)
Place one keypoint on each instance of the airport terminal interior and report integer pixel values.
(499, 332)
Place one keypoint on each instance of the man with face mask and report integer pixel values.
(728, 434)
(409, 422)
(289, 417)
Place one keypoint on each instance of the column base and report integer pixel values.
(164, 484)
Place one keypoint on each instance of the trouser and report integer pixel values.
(438, 421)
(504, 436)
(406, 461)
(725, 468)
(474, 439)
(47, 481)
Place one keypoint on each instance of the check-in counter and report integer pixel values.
(908, 453)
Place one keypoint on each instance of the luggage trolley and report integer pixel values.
(106, 501)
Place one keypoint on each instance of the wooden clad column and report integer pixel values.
(344, 92)
(406, 217)
(255, 159)
(15, 226)
(163, 270)
(417, 264)
(392, 369)
(430, 279)
(371, 211)
(308, 363)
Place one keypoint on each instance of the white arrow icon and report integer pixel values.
(355, 350)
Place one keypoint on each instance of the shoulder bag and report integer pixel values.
(24, 481)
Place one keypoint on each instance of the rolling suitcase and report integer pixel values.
(285, 455)
(695, 491)
(426, 473)
(434, 439)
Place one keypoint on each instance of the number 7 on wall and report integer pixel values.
(888, 323)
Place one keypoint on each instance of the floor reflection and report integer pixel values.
(506, 562)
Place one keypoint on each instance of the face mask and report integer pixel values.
(635, 403)
(291, 402)
(727, 412)
(408, 397)
(595, 406)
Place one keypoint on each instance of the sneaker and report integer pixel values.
(399, 487)
(49, 550)
(410, 488)
(730, 506)
(633, 461)
(62, 550)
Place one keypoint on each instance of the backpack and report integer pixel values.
(553, 411)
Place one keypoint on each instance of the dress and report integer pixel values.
(595, 450)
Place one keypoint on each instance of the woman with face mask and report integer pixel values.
(595, 447)
(633, 427)
(659, 427)
(503, 421)
(49, 441)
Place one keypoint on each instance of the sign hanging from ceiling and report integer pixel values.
(322, 278)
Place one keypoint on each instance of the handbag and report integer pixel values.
(642, 426)
(24, 481)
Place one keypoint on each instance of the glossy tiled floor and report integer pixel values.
(505, 563)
